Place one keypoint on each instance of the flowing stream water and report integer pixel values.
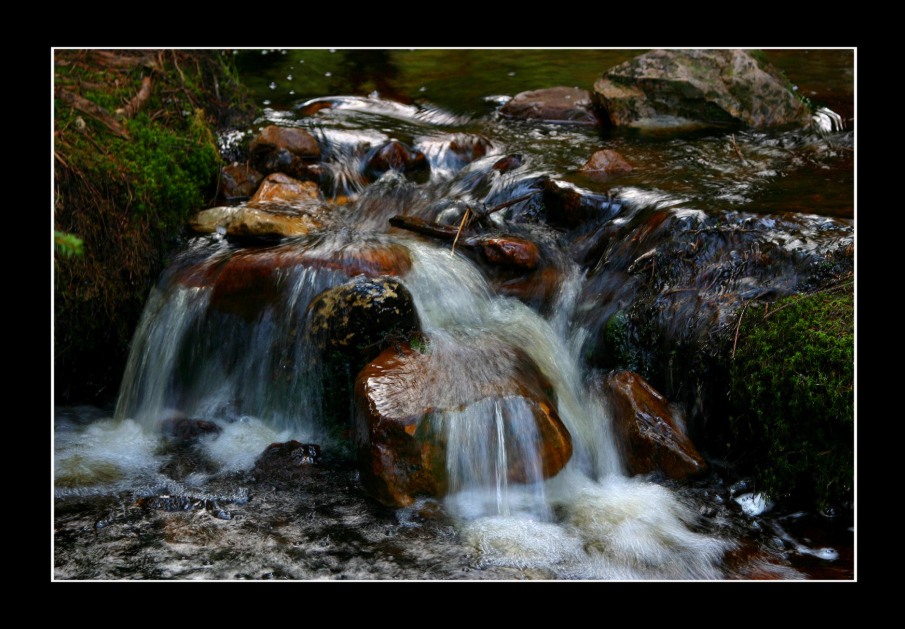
(131, 504)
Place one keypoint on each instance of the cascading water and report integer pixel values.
(227, 338)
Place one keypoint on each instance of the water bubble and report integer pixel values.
(301, 61)
(291, 92)
(266, 102)
(288, 77)
(512, 74)
(332, 50)
(328, 74)
(263, 52)
(422, 89)
(272, 85)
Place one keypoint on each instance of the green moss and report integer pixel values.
(126, 186)
(792, 388)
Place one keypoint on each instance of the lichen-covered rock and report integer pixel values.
(676, 88)
(555, 104)
(420, 413)
(360, 317)
(650, 433)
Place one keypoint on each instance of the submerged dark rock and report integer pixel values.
(394, 155)
(675, 88)
(239, 181)
(555, 104)
(285, 461)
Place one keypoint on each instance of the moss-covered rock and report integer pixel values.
(792, 386)
(135, 156)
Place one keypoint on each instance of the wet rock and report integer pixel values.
(676, 88)
(508, 163)
(283, 188)
(239, 181)
(469, 147)
(568, 206)
(538, 288)
(554, 104)
(650, 433)
(606, 162)
(287, 150)
(360, 317)
(394, 155)
(510, 251)
(285, 461)
(185, 429)
(409, 399)
(299, 215)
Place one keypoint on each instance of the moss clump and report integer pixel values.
(792, 386)
(135, 155)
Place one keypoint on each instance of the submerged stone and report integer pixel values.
(676, 88)
(394, 155)
(604, 163)
(285, 461)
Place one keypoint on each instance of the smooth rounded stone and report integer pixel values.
(509, 251)
(288, 150)
(293, 139)
(469, 147)
(239, 181)
(402, 448)
(274, 222)
(394, 155)
(665, 89)
(555, 104)
(650, 432)
(604, 163)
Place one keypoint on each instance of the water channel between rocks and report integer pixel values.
(496, 355)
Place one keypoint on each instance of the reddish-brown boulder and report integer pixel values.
(510, 251)
(606, 162)
(649, 432)
(287, 150)
(400, 394)
(505, 164)
(554, 104)
(469, 147)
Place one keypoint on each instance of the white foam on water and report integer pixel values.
(242, 442)
(107, 452)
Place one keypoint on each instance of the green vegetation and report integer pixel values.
(792, 386)
(135, 156)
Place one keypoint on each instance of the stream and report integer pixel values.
(227, 348)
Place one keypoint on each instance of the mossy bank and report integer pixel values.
(135, 154)
(793, 392)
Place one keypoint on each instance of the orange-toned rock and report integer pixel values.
(554, 104)
(283, 188)
(409, 404)
(297, 141)
(508, 251)
(649, 431)
(606, 162)
(469, 147)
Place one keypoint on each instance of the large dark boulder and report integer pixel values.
(555, 104)
(670, 88)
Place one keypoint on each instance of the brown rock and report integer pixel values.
(468, 147)
(648, 430)
(274, 222)
(568, 206)
(555, 104)
(239, 181)
(505, 164)
(403, 450)
(509, 251)
(606, 162)
(680, 88)
(285, 461)
(185, 429)
(283, 188)
(287, 150)
(394, 155)
(297, 141)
